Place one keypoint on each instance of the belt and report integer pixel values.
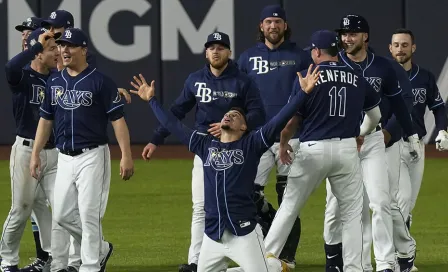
(77, 152)
(46, 146)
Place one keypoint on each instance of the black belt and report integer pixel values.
(77, 152)
(46, 146)
(378, 128)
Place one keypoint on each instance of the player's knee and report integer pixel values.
(381, 206)
(21, 212)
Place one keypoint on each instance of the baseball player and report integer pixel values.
(273, 63)
(79, 100)
(32, 23)
(230, 166)
(354, 34)
(213, 90)
(426, 94)
(26, 74)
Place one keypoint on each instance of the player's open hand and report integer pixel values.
(283, 153)
(124, 93)
(308, 82)
(148, 151)
(35, 166)
(215, 130)
(126, 168)
(145, 91)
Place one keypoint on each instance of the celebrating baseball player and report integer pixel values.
(273, 64)
(230, 167)
(328, 149)
(79, 100)
(26, 74)
(213, 89)
(354, 35)
(426, 94)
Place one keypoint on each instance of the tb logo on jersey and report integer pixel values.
(37, 94)
(204, 93)
(260, 65)
(222, 160)
(70, 99)
(419, 95)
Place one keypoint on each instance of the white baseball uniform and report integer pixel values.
(198, 218)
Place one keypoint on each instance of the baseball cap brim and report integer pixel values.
(64, 40)
(207, 44)
(21, 28)
(53, 23)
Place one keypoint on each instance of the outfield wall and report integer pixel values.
(164, 39)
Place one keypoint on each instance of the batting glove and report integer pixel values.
(415, 147)
(442, 141)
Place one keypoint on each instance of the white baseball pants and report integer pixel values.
(247, 251)
(83, 184)
(337, 160)
(377, 197)
(271, 158)
(27, 195)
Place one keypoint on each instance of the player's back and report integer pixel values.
(335, 107)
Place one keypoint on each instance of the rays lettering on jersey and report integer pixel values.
(261, 66)
(419, 95)
(376, 83)
(207, 95)
(37, 94)
(70, 99)
(224, 159)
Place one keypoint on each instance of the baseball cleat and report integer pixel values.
(283, 265)
(414, 269)
(71, 269)
(47, 265)
(290, 263)
(188, 267)
(11, 268)
(36, 266)
(104, 261)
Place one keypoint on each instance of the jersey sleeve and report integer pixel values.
(46, 107)
(265, 137)
(112, 100)
(433, 98)
(372, 98)
(242, 62)
(14, 67)
(391, 83)
(254, 106)
(196, 142)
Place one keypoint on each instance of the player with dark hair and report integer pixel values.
(79, 100)
(329, 125)
(212, 90)
(273, 63)
(230, 167)
(26, 74)
(426, 94)
(379, 72)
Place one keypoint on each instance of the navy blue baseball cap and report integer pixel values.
(74, 36)
(59, 18)
(219, 38)
(273, 11)
(353, 23)
(324, 39)
(31, 23)
(33, 38)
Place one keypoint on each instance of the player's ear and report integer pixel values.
(243, 127)
(390, 48)
(414, 47)
(286, 26)
(365, 37)
(84, 51)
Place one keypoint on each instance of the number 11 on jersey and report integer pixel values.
(337, 101)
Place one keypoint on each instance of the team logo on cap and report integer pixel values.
(275, 14)
(53, 15)
(346, 22)
(217, 36)
(29, 20)
(68, 34)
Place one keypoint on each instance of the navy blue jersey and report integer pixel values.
(381, 75)
(81, 107)
(213, 97)
(229, 168)
(28, 89)
(274, 71)
(426, 94)
(335, 106)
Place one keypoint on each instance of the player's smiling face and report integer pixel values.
(353, 42)
(25, 35)
(233, 120)
(50, 55)
(72, 55)
(273, 29)
(217, 55)
(402, 48)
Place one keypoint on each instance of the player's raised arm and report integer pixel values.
(271, 129)
(166, 118)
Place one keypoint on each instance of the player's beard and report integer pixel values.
(402, 59)
(274, 38)
(225, 127)
(218, 64)
(353, 50)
